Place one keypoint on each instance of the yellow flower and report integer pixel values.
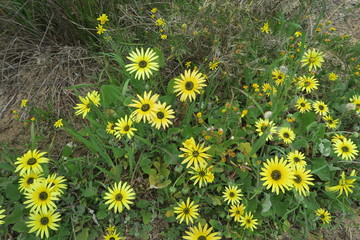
(58, 123)
(188, 84)
(320, 108)
(277, 175)
(202, 175)
(345, 149)
(278, 76)
(286, 134)
(344, 184)
(313, 58)
(333, 76)
(244, 112)
(213, 64)
(2, 215)
(308, 84)
(110, 128)
(330, 122)
(42, 220)
(232, 195)
(296, 159)
(163, 36)
(188, 64)
(100, 29)
(112, 235)
(143, 63)
(237, 211)
(28, 179)
(23, 103)
(248, 221)
(201, 233)
(84, 106)
(302, 180)
(356, 101)
(146, 106)
(160, 22)
(124, 126)
(187, 210)
(265, 28)
(194, 154)
(265, 126)
(41, 197)
(303, 105)
(324, 215)
(298, 34)
(30, 162)
(154, 10)
(161, 116)
(120, 196)
(103, 19)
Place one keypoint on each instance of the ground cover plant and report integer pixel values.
(207, 121)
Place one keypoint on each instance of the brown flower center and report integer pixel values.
(189, 85)
(195, 154)
(297, 178)
(43, 196)
(31, 161)
(126, 128)
(145, 107)
(160, 115)
(276, 175)
(286, 135)
(142, 64)
(44, 220)
(201, 238)
(345, 149)
(202, 173)
(232, 194)
(30, 180)
(118, 197)
(186, 210)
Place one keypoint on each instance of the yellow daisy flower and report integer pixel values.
(145, 107)
(194, 153)
(265, 28)
(248, 221)
(324, 215)
(265, 126)
(333, 76)
(201, 233)
(2, 216)
(28, 179)
(187, 210)
(237, 211)
(100, 29)
(303, 105)
(308, 84)
(111, 234)
(31, 161)
(84, 106)
(286, 134)
(124, 126)
(277, 175)
(345, 184)
(41, 197)
(232, 195)
(345, 149)
(296, 159)
(110, 128)
(143, 63)
(356, 101)
(188, 84)
(278, 76)
(23, 103)
(313, 58)
(120, 196)
(202, 175)
(161, 115)
(56, 182)
(302, 180)
(320, 108)
(330, 122)
(337, 137)
(42, 220)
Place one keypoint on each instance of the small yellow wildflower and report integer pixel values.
(265, 28)
(23, 103)
(163, 36)
(333, 76)
(244, 112)
(160, 22)
(103, 19)
(298, 34)
(32, 119)
(58, 123)
(100, 29)
(213, 64)
(188, 64)
(154, 10)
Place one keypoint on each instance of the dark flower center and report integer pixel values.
(195, 153)
(345, 149)
(201, 238)
(248, 221)
(322, 216)
(280, 77)
(202, 173)
(44, 220)
(307, 83)
(160, 115)
(330, 121)
(237, 212)
(142, 64)
(232, 194)
(118, 197)
(321, 107)
(30, 181)
(286, 135)
(302, 104)
(297, 178)
(263, 128)
(31, 161)
(312, 59)
(145, 107)
(112, 238)
(43, 196)
(276, 175)
(189, 85)
(126, 128)
(296, 159)
(186, 210)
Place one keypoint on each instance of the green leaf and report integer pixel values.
(299, 143)
(142, 204)
(321, 169)
(146, 216)
(20, 227)
(91, 191)
(15, 215)
(161, 59)
(67, 151)
(325, 147)
(102, 214)
(266, 205)
(7, 166)
(110, 94)
(12, 192)
(84, 235)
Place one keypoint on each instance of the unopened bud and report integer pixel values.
(268, 114)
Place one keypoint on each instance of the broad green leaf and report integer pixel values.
(266, 205)
(83, 235)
